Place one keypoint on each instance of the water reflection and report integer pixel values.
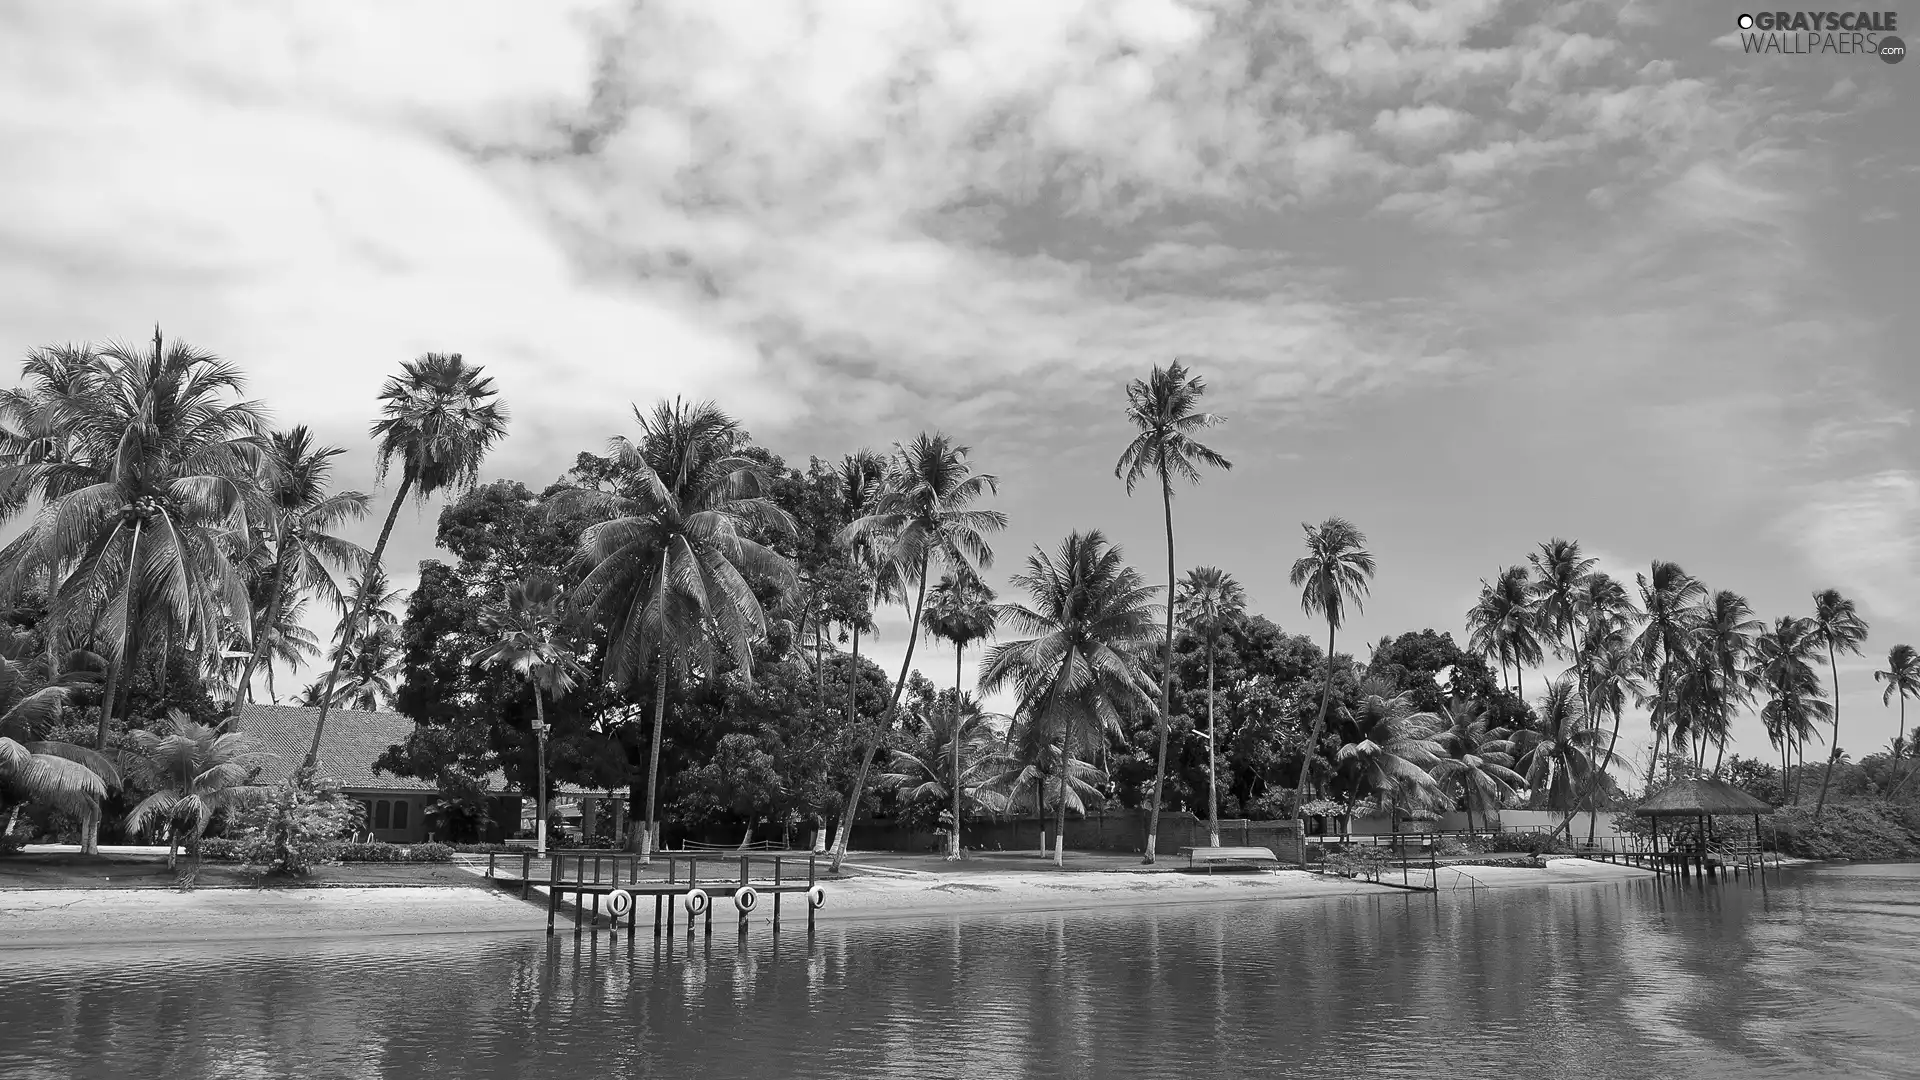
(1813, 976)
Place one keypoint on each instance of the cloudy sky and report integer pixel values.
(1472, 274)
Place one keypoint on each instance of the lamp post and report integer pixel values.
(540, 793)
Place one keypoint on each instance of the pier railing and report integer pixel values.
(694, 880)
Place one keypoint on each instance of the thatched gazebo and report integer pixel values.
(1701, 800)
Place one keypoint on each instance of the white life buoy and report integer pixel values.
(745, 899)
(696, 901)
(817, 897)
(619, 902)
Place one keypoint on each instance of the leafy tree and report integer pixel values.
(1561, 756)
(1501, 624)
(291, 831)
(1902, 676)
(1165, 407)
(1795, 699)
(38, 768)
(1390, 750)
(1560, 569)
(1722, 647)
(923, 771)
(527, 642)
(1838, 627)
(1333, 575)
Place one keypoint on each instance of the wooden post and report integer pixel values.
(811, 861)
(776, 894)
(490, 865)
(526, 873)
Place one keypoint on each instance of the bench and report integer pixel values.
(1241, 858)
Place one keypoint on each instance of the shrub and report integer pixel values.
(219, 849)
(11, 842)
(1535, 843)
(1846, 831)
(294, 830)
(379, 851)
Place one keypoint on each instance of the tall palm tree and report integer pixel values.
(370, 672)
(304, 517)
(1015, 776)
(1782, 671)
(1165, 407)
(525, 633)
(1502, 626)
(860, 475)
(1902, 676)
(1670, 597)
(1560, 570)
(1091, 617)
(1560, 755)
(1722, 646)
(922, 515)
(672, 569)
(1210, 601)
(1335, 574)
(1613, 678)
(1838, 627)
(438, 419)
(57, 773)
(146, 480)
(286, 643)
(960, 611)
(375, 614)
(194, 772)
(1476, 759)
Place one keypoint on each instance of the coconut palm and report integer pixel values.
(376, 614)
(1015, 777)
(921, 515)
(304, 515)
(1333, 575)
(145, 462)
(1391, 749)
(961, 611)
(1560, 570)
(1091, 617)
(1902, 676)
(45, 770)
(525, 639)
(370, 672)
(286, 643)
(438, 419)
(1165, 407)
(1210, 601)
(1613, 679)
(1782, 671)
(1560, 754)
(1722, 647)
(671, 572)
(1476, 760)
(1838, 627)
(924, 771)
(1501, 626)
(194, 771)
(1670, 597)
(860, 474)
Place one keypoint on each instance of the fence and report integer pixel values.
(1121, 831)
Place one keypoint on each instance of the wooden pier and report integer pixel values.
(623, 881)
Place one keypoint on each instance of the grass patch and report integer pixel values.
(66, 870)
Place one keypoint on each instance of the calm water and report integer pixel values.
(1819, 977)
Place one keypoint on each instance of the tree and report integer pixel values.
(1795, 699)
(921, 515)
(1208, 602)
(1722, 646)
(1559, 571)
(1613, 677)
(194, 771)
(1838, 627)
(1091, 617)
(1390, 749)
(371, 670)
(673, 566)
(960, 611)
(924, 771)
(1164, 406)
(1476, 760)
(1560, 756)
(1902, 676)
(51, 771)
(1333, 575)
(1501, 625)
(303, 515)
(438, 419)
(1670, 597)
(526, 642)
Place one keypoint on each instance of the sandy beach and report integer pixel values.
(77, 917)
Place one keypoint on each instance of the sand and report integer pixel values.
(64, 918)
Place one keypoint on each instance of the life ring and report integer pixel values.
(817, 897)
(696, 901)
(745, 899)
(619, 902)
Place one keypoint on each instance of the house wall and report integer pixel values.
(1456, 821)
(396, 819)
(1120, 830)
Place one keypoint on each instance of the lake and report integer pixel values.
(1817, 975)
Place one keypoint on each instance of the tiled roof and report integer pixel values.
(354, 739)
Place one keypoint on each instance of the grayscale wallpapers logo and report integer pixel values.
(1804, 33)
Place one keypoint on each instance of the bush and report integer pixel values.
(378, 851)
(1866, 831)
(12, 842)
(294, 831)
(1534, 843)
(217, 849)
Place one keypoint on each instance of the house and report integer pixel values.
(398, 808)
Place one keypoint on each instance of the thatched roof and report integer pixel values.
(1702, 798)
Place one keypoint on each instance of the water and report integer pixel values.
(1816, 977)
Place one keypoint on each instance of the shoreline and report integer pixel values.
(38, 919)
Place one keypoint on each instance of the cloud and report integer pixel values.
(1864, 533)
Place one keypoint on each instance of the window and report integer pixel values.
(380, 811)
(400, 814)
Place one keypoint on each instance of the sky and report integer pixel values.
(1471, 274)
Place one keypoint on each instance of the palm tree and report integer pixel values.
(370, 672)
(1501, 625)
(926, 771)
(1091, 618)
(376, 614)
(287, 642)
(1795, 699)
(304, 515)
(1210, 601)
(525, 639)
(194, 772)
(1560, 570)
(438, 419)
(1015, 777)
(1902, 676)
(146, 463)
(1838, 627)
(1560, 754)
(1475, 759)
(1722, 646)
(921, 515)
(860, 475)
(1392, 748)
(1613, 678)
(59, 773)
(1670, 597)
(1165, 407)
(671, 572)
(960, 611)
(1335, 573)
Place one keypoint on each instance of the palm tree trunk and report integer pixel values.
(953, 845)
(873, 744)
(276, 595)
(649, 828)
(351, 632)
(1833, 753)
(1213, 748)
(1066, 770)
(121, 660)
(540, 793)
(1166, 678)
(1319, 725)
(1593, 823)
